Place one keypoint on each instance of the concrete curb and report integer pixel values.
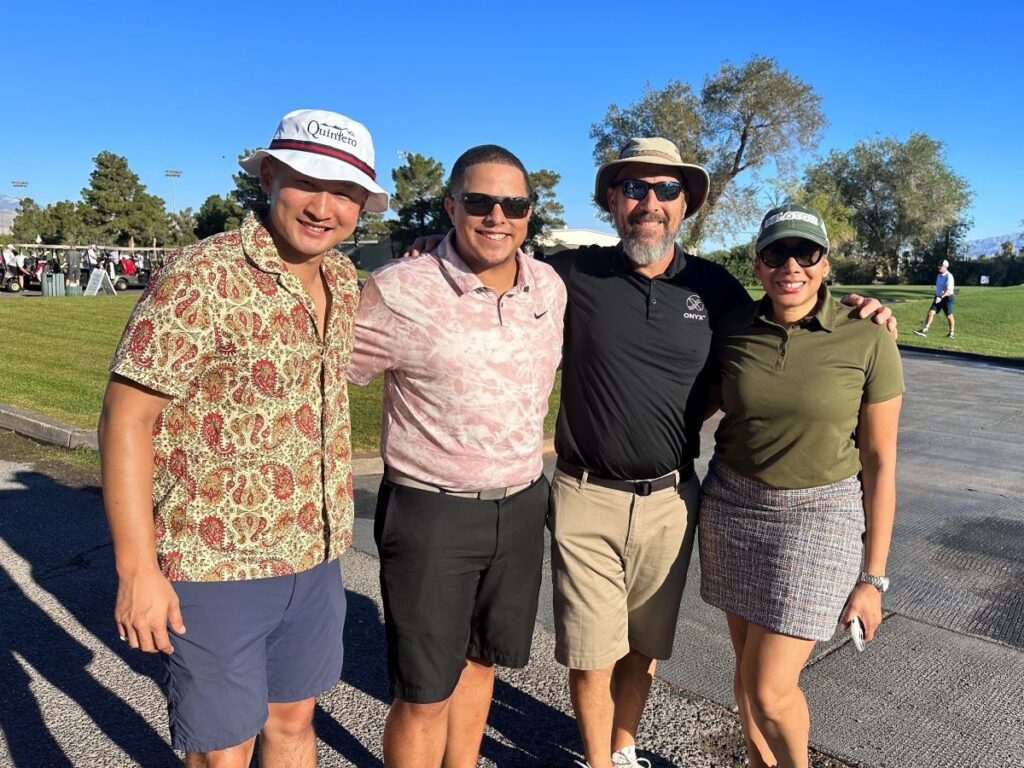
(45, 429)
(54, 432)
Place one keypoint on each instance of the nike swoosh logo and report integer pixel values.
(539, 315)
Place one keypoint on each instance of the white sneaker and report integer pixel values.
(627, 757)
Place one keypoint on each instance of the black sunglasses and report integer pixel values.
(478, 204)
(807, 254)
(635, 189)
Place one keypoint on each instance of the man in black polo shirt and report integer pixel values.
(624, 497)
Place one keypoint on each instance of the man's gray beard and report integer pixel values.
(644, 252)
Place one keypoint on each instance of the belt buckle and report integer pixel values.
(642, 487)
(492, 494)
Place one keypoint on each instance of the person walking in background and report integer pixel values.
(469, 338)
(24, 273)
(11, 261)
(798, 504)
(226, 458)
(944, 299)
(74, 265)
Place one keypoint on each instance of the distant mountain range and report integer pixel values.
(990, 246)
(8, 203)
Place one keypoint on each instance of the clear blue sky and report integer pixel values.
(189, 85)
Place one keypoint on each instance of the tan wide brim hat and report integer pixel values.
(655, 151)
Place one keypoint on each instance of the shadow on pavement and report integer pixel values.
(61, 533)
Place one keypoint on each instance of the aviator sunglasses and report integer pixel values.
(478, 204)
(807, 254)
(635, 189)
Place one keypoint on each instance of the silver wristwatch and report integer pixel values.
(881, 583)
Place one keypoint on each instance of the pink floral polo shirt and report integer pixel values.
(252, 456)
(468, 372)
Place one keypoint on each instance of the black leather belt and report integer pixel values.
(638, 487)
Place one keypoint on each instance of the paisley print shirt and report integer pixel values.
(252, 460)
(468, 372)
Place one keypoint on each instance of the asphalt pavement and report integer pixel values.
(940, 686)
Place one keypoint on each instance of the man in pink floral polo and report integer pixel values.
(469, 339)
(225, 441)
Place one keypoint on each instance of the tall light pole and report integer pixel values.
(18, 184)
(172, 174)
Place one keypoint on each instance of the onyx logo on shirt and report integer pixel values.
(694, 308)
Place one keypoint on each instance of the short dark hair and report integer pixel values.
(485, 153)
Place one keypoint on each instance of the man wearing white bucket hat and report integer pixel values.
(225, 440)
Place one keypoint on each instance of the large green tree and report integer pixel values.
(218, 214)
(372, 226)
(68, 223)
(117, 206)
(902, 195)
(181, 227)
(63, 222)
(247, 192)
(29, 222)
(418, 198)
(547, 211)
(745, 118)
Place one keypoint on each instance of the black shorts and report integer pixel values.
(459, 578)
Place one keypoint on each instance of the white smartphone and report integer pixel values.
(857, 633)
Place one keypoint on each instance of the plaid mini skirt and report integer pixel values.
(784, 559)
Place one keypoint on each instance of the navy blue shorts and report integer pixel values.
(946, 305)
(459, 578)
(248, 643)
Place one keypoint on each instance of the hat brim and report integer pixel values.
(695, 180)
(781, 233)
(325, 169)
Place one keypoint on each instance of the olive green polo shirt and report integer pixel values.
(792, 396)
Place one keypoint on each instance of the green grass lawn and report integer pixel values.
(57, 353)
(989, 321)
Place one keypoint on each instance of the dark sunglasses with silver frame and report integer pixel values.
(806, 253)
(636, 189)
(479, 204)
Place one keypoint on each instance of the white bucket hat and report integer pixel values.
(327, 146)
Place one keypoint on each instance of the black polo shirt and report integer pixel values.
(633, 396)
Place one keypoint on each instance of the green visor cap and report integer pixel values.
(792, 220)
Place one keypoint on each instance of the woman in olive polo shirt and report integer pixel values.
(797, 513)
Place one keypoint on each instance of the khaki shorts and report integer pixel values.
(618, 564)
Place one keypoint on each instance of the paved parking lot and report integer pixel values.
(939, 687)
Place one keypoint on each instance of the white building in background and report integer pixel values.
(562, 239)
